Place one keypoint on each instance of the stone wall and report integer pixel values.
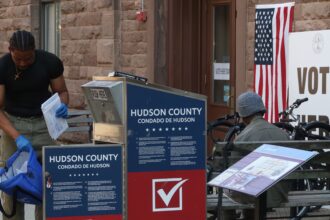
(308, 15)
(13, 15)
(134, 43)
(97, 36)
(87, 43)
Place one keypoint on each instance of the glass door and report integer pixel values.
(221, 55)
(220, 77)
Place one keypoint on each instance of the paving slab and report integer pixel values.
(29, 212)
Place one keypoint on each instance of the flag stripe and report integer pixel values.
(261, 78)
(266, 89)
(283, 56)
(277, 63)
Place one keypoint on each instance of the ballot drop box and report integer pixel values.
(163, 135)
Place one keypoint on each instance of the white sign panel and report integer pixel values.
(221, 71)
(308, 72)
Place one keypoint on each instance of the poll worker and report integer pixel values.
(251, 109)
(28, 77)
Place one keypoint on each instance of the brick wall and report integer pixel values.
(308, 15)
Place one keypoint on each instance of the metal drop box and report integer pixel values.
(163, 135)
(106, 99)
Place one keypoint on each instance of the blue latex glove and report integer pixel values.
(62, 111)
(23, 143)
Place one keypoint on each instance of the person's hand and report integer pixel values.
(62, 111)
(23, 143)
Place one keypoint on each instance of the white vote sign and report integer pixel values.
(308, 72)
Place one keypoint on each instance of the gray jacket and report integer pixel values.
(261, 130)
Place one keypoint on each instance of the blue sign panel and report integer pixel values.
(83, 181)
(165, 131)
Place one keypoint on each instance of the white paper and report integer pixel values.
(56, 126)
(271, 168)
(221, 71)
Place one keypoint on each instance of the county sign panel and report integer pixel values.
(308, 72)
(166, 154)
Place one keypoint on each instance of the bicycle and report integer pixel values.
(223, 125)
(305, 131)
(302, 130)
(227, 125)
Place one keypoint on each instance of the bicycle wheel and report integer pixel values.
(217, 130)
(317, 130)
(229, 138)
(233, 132)
(306, 185)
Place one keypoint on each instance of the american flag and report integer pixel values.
(272, 25)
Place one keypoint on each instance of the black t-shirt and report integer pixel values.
(24, 96)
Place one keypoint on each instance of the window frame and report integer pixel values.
(50, 10)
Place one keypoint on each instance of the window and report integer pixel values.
(51, 27)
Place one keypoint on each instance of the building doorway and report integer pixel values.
(200, 51)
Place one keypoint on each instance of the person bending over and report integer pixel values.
(28, 77)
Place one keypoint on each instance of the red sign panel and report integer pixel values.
(167, 195)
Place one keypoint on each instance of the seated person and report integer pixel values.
(251, 109)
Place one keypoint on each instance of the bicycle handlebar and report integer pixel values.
(296, 104)
(299, 101)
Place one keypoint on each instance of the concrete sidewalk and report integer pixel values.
(29, 212)
(278, 214)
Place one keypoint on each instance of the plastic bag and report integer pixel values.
(22, 179)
